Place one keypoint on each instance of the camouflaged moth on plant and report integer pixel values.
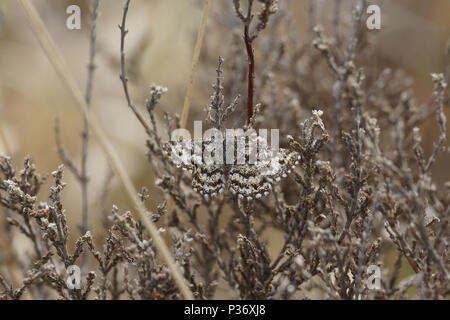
(236, 160)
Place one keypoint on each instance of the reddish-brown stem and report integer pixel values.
(413, 264)
(251, 72)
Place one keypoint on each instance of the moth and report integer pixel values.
(247, 168)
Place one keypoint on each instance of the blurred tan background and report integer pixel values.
(159, 49)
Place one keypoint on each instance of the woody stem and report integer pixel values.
(251, 72)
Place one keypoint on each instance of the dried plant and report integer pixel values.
(358, 190)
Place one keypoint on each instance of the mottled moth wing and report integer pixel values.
(246, 181)
(254, 179)
(180, 153)
(207, 174)
(250, 175)
(280, 164)
(208, 180)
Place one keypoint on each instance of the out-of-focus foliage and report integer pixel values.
(371, 187)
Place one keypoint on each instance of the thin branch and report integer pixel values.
(123, 72)
(438, 97)
(248, 40)
(269, 7)
(62, 152)
(84, 179)
(195, 60)
(7, 287)
(190, 88)
(65, 75)
(251, 73)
